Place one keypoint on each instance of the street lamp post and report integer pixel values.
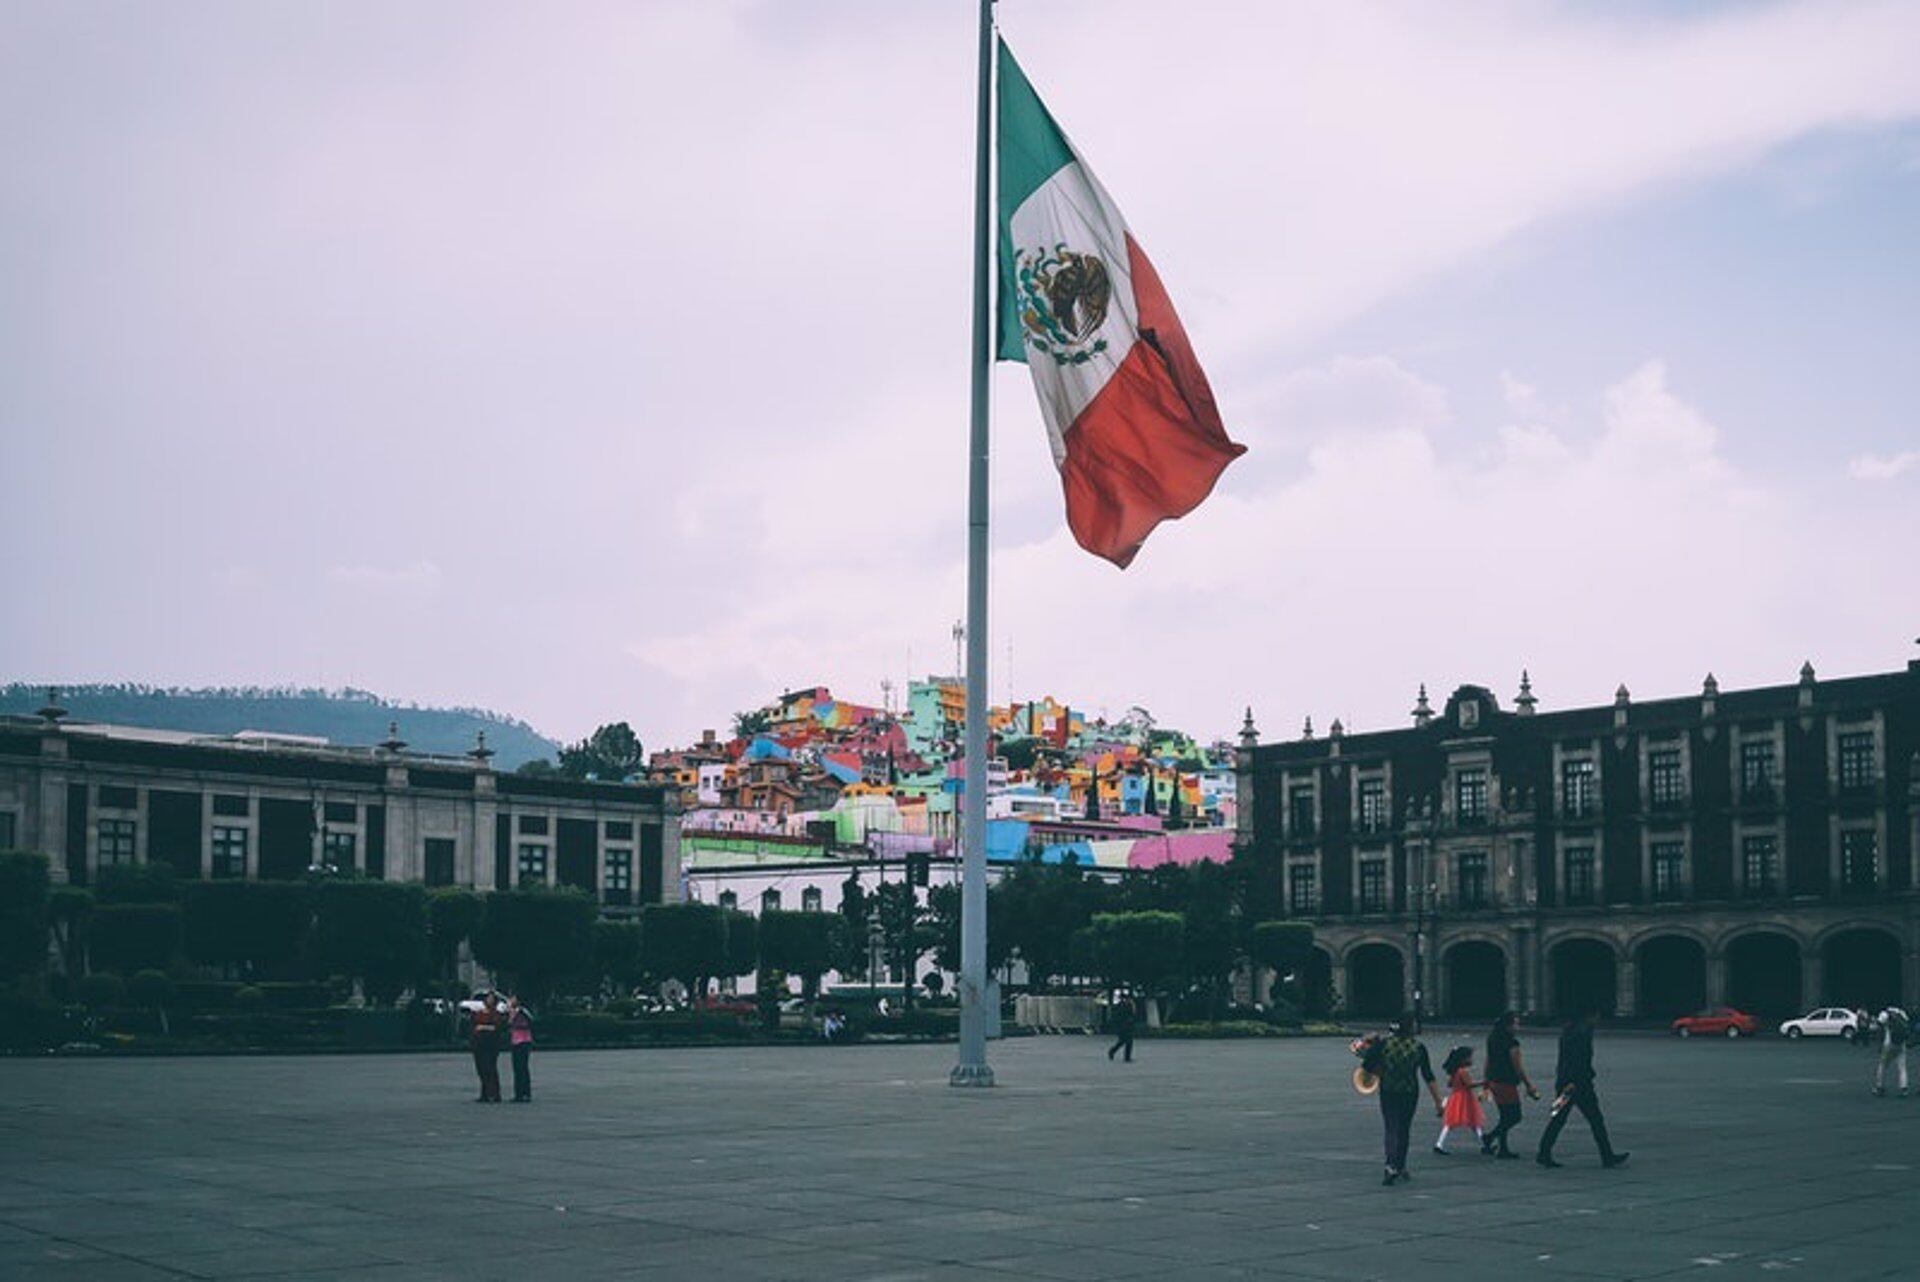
(1424, 888)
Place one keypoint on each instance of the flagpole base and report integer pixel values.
(971, 1075)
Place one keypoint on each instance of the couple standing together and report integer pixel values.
(1401, 1064)
(491, 1026)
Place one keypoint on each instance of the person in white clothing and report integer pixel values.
(1894, 1026)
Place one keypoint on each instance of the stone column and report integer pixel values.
(1716, 978)
(1626, 986)
(1813, 977)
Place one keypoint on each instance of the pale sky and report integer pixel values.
(608, 361)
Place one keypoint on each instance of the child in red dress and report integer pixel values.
(1463, 1106)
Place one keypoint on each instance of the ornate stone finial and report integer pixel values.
(1620, 697)
(393, 742)
(52, 712)
(1422, 710)
(1525, 702)
(1710, 687)
(1306, 731)
(480, 752)
(1249, 737)
(1337, 729)
(1806, 673)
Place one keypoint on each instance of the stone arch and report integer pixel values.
(1585, 973)
(1763, 971)
(1376, 979)
(1861, 965)
(1475, 972)
(1670, 974)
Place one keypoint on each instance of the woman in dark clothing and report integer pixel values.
(1122, 1027)
(520, 1047)
(484, 1039)
(1506, 1074)
(1401, 1062)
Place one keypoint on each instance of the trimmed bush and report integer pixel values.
(130, 937)
(23, 913)
(260, 926)
(137, 884)
(101, 992)
(537, 937)
(373, 931)
(249, 998)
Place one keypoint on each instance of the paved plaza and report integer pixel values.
(1200, 1160)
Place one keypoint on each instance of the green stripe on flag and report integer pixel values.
(1031, 150)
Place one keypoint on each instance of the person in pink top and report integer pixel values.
(520, 1046)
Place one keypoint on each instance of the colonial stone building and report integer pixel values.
(274, 806)
(1755, 847)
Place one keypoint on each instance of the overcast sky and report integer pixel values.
(608, 361)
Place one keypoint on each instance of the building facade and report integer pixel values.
(1759, 848)
(268, 806)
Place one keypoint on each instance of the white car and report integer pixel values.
(1828, 1021)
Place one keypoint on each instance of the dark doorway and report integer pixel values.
(1476, 980)
(1584, 977)
(1316, 984)
(578, 847)
(1672, 977)
(1376, 983)
(286, 839)
(173, 835)
(1862, 969)
(1763, 975)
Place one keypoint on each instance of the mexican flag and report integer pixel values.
(1134, 429)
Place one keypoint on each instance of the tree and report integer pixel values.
(1019, 753)
(943, 917)
(686, 941)
(611, 754)
(137, 884)
(1282, 946)
(850, 942)
(799, 944)
(748, 724)
(741, 955)
(70, 910)
(453, 915)
(1143, 950)
(616, 954)
(537, 768)
(258, 927)
(1039, 907)
(537, 937)
(906, 930)
(152, 990)
(372, 931)
(23, 914)
(132, 937)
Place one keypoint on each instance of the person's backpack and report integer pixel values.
(1899, 1027)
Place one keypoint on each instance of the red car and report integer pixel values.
(1717, 1021)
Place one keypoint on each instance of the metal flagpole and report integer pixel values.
(972, 1069)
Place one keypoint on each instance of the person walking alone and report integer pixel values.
(1506, 1074)
(1894, 1027)
(484, 1039)
(1400, 1062)
(1122, 1015)
(520, 1047)
(1573, 1088)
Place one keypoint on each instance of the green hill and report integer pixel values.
(341, 716)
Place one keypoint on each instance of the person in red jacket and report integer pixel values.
(484, 1038)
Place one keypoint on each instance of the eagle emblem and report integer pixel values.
(1063, 297)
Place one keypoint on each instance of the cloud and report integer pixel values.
(1879, 467)
(413, 576)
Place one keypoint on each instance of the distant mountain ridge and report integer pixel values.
(344, 716)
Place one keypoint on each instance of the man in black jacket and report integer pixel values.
(1573, 1088)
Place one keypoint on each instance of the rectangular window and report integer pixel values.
(1471, 879)
(533, 825)
(1666, 783)
(1470, 797)
(810, 900)
(115, 844)
(439, 861)
(1576, 787)
(619, 831)
(116, 797)
(338, 849)
(617, 875)
(231, 805)
(1859, 859)
(1373, 805)
(1300, 803)
(1580, 887)
(342, 812)
(1757, 854)
(1303, 888)
(229, 852)
(729, 900)
(1856, 759)
(1668, 869)
(1373, 885)
(770, 900)
(533, 863)
(1757, 770)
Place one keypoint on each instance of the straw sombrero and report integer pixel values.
(1364, 1082)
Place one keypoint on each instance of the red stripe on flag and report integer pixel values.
(1150, 445)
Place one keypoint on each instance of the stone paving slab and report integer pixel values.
(1202, 1161)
